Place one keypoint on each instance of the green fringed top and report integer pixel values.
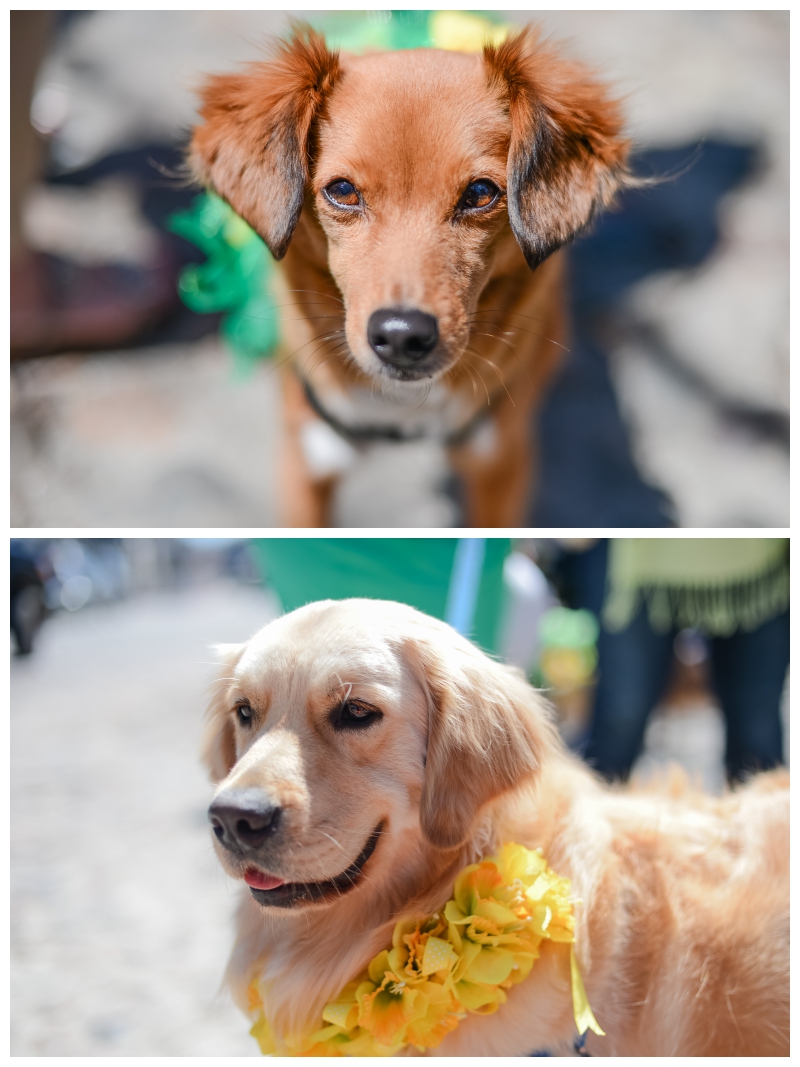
(716, 585)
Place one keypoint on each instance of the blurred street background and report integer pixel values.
(671, 408)
(121, 915)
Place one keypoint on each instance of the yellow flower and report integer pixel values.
(387, 1010)
(418, 950)
(442, 1015)
(262, 1032)
(255, 1001)
(459, 961)
(343, 1011)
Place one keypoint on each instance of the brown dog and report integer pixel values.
(415, 197)
(364, 753)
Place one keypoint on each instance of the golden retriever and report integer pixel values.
(365, 752)
(415, 196)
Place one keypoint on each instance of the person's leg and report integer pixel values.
(633, 668)
(749, 670)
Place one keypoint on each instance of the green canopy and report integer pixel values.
(458, 580)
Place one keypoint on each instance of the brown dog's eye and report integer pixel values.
(354, 714)
(244, 713)
(342, 193)
(477, 195)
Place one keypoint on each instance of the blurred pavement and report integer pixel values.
(161, 436)
(701, 376)
(122, 916)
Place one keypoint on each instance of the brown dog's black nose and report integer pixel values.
(243, 819)
(402, 338)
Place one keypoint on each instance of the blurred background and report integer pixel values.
(129, 410)
(654, 652)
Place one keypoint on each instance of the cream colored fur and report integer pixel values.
(683, 929)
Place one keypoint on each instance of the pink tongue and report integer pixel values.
(257, 880)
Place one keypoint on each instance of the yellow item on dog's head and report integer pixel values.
(459, 31)
(461, 960)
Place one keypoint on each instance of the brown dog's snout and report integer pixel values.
(402, 338)
(244, 819)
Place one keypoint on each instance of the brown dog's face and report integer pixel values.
(350, 738)
(416, 164)
(409, 185)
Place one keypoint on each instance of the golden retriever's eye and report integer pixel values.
(244, 713)
(479, 195)
(342, 193)
(354, 714)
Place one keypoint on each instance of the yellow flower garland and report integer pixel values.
(459, 961)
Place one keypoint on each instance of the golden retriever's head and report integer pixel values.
(414, 165)
(351, 739)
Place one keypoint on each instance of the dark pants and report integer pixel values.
(747, 671)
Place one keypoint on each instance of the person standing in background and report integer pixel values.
(734, 591)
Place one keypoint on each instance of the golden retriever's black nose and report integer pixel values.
(402, 338)
(243, 819)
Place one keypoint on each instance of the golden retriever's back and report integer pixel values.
(706, 889)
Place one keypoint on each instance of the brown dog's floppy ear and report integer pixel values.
(218, 749)
(488, 731)
(252, 146)
(567, 156)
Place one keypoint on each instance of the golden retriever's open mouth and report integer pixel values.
(271, 892)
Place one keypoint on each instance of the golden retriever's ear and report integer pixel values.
(252, 146)
(218, 748)
(567, 155)
(488, 731)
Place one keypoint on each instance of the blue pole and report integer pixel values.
(465, 580)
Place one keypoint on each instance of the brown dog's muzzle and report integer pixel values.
(403, 339)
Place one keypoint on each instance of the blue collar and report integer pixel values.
(579, 1045)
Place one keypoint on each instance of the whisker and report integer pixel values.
(306, 318)
(315, 292)
(500, 376)
(494, 368)
(323, 345)
(330, 838)
(292, 354)
(480, 377)
(309, 372)
(308, 303)
(514, 353)
(495, 337)
(472, 380)
(522, 329)
(428, 387)
(505, 313)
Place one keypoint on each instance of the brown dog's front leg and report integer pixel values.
(304, 501)
(496, 466)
